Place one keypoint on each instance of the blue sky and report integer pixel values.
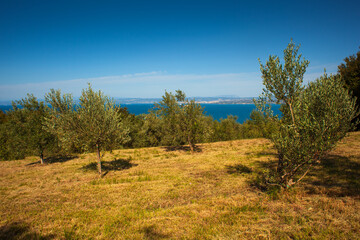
(140, 48)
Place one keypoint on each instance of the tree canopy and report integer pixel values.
(350, 75)
(23, 130)
(181, 119)
(93, 124)
(315, 117)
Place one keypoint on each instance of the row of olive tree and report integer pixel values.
(59, 126)
(174, 121)
(95, 123)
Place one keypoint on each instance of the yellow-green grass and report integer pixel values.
(160, 193)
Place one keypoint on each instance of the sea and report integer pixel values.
(217, 111)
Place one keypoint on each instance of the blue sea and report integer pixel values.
(217, 111)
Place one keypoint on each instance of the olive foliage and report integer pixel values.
(349, 72)
(181, 120)
(93, 124)
(315, 116)
(23, 132)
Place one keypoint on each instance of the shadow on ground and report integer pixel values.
(337, 175)
(238, 169)
(266, 165)
(19, 230)
(150, 232)
(182, 148)
(115, 165)
(55, 159)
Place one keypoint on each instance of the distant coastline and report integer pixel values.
(218, 110)
(201, 100)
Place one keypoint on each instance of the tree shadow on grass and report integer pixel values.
(18, 230)
(54, 159)
(115, 165)
(238, 169)
(182, 148)
(267, 165)
(59, 159)
(257, 177)
(150, 232)
(337, 175)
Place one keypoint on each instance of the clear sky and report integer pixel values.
(140, 48)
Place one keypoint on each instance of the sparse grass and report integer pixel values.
(163, 193)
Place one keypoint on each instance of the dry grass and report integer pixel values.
(159, 193)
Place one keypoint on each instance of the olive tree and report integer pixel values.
(169, 111)
(94, 123)
(24, 129)
(182, 119)
(314, 116)
(192, 124)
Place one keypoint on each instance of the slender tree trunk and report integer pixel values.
(99, 159)
(279, 168)
(292, 112)
(42, 158)
(191, 145)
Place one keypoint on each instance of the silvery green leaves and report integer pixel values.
(315, 117)
(93, 124)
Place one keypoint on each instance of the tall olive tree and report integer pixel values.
(94, 123)
(315, 117)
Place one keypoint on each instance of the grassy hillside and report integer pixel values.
(164, 193)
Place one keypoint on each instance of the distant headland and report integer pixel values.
(205, 100)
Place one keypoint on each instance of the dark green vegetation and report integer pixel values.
(350, 75)
(315, 117)
(22, 133)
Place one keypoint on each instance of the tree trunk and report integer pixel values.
(292, 112)
(280, 166)
(190, 145)
(41, 158)
(99, 159)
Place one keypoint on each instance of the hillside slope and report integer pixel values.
(167, 193)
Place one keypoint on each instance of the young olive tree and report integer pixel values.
(192, 125)
(315, 117)
(169, 112)
(182, 119)
(94, 123)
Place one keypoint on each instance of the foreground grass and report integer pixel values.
(160, 193)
